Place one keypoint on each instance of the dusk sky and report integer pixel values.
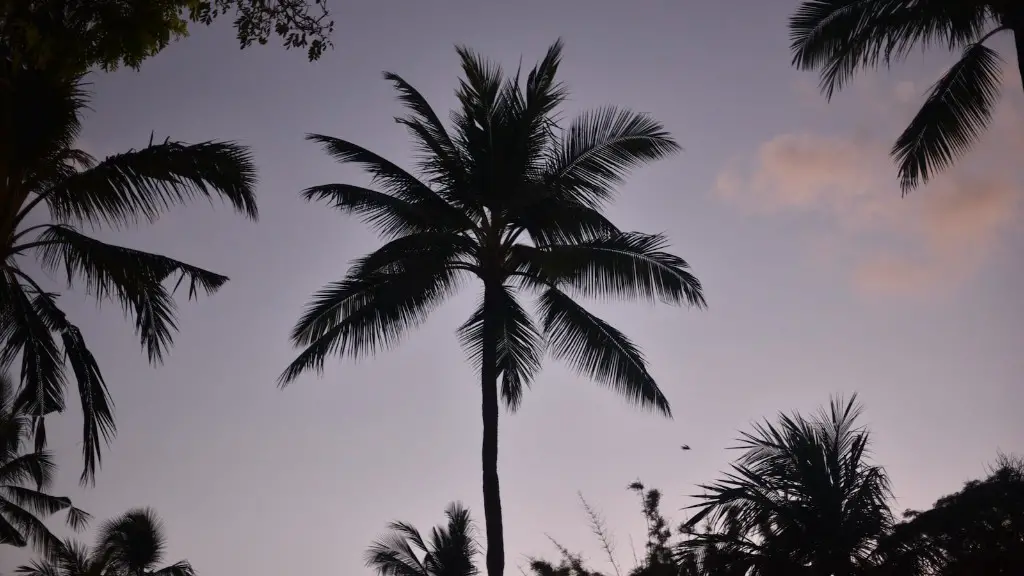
(820, 281)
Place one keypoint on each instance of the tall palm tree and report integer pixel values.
(132, 544)
(839, 37)
(512, 200)
(802, 500)
(25, 479)
(49, 192)
(450, 550)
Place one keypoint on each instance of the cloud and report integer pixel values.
(936, 237)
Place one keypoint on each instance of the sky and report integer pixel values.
(820, 281)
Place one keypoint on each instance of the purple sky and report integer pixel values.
(820, 281)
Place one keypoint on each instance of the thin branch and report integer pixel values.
(600, 529)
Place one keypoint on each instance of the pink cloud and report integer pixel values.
(934, 238)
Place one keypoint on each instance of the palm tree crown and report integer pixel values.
(132, 544)
(803, 499)
(450, 550)
(21, 505)
(839, 37)
(512, 200)
(43, 170)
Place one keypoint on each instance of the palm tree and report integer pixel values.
(802, 500)
(24, 482)
(49, 192)
(450, 550)
(839, 37)
(132, 544)
(512, 200)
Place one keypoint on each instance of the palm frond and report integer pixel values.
(132, 277)
(598, 351)
(519, 345)
(133, 542)
(839, 37)
(26, 333)
(599, 148)
(959, 107)
(37, 468)
(393, 554)
(145, 183)
(628, 265)
(395, 181)
(440, 159)
(34, 501)
(362, 314)
(549, 219)
(389, 215)
(97, 407)
(179, 568)
(454, 547)
(427, 253)
(31, 529)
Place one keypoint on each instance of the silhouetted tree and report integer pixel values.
(802, 500)
(50, 190)
(132, 544)
(25, 479)
(839, 37)
(978, 530)
(77, 35)
(450, 550)
(512, 201)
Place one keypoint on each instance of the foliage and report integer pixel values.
(803, 499)
(840, 37)
(78, 35)
(450, 550)
(978, 530)
(132, 544)
(21, 505)
(62, 189)
(510, 199)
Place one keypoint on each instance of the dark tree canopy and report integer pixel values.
(107, 34)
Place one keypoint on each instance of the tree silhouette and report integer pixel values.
(839, 37)
(74, 36)
(509, 199)
(803, 499)
(132, 544)
(50, 192)
(450, 550)
(25, 479)
(978, 530)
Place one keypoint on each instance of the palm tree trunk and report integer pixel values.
(1017, 25)
(489, 387)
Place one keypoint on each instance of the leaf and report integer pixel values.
(599, 351)
(362, 314)
(519, 344)
(959, 107)
(132, 277)
(145, 183)
(598, 150)
(628, 265)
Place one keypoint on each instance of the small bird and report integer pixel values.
(685, 446)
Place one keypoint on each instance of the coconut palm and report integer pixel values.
(839, 37)
(450, 550)
(132, 544)
(509, 199)
(25, 479)
(802, 500)
(49, 192)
